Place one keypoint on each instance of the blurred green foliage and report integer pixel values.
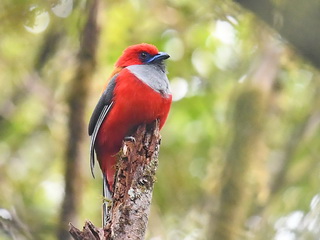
(213, 45)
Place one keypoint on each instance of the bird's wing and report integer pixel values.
(100, 112)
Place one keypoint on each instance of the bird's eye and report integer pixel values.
(144, 56)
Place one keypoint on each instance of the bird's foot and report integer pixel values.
(129, 139)
(107, 200)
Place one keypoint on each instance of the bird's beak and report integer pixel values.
(159, 57)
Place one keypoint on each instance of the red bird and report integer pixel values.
(137, 93)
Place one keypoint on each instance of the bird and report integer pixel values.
(137, 92)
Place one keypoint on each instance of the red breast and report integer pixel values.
(134, 103)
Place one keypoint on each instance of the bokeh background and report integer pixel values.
(240, 151)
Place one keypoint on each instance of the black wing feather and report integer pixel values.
(100, 112)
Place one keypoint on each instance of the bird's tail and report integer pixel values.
(107, 203)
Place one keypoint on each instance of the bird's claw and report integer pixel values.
(129, 139)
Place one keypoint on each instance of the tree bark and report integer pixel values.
(135, 177)
(89, 232)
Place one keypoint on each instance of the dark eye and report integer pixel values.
(144, 56)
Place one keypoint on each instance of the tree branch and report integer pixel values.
(135, 177)
(297, 21)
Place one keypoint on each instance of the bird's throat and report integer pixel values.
(154, 75)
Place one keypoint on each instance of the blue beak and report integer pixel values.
(159, 57)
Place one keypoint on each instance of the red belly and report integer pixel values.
(134, 103)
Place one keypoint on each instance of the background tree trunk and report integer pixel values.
(249, 114)
(77, 126)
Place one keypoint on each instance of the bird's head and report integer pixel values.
(141, 54)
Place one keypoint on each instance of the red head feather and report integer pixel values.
(130, 55)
